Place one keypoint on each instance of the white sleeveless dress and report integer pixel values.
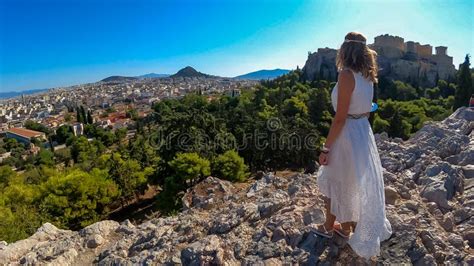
(353, 178)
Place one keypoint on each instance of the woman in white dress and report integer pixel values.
(351, 173)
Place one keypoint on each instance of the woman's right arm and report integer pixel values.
(346, 84)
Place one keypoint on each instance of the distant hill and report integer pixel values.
(153, 75)
(264, 74)
(11, 94)
(118, 79)
(189, 72)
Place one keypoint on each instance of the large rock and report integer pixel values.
(95, 241)
(47, 234)
(102, 228)
(205, 251)
(321, 65)
(468, 171)
(268, 206)
(468, 235)
(391, 195)
(207, 193)
(437, 193)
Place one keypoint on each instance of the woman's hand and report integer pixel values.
(323, 158)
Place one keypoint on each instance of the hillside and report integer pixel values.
(153, 75)
(118, 79)
(264, 74)
(11, 94)
(189, 72)
(429, 195)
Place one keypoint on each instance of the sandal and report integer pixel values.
(322, 231)
(341, 232)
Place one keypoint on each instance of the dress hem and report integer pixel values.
(331, 208)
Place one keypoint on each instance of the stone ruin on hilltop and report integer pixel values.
(409, 61)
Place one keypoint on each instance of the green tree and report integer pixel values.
(37, 174)
(128, 175)
(380, 125)
(294, 106)
(19, 215)
(446, 89)
(6, 173)
(11, 144)
(399, 127)
(36, 141)
(230, 166)
(132, 114)
(140, 149)
(63, 133)
(45, 157)
(83, 115)
(120, 134)
(405, 91)
(90, 120)
(63, 156)
(19, 223)
(78, 199)
(190, 167)
(84, 151)
(29, 124)
(464, 88)
(433, 93)
(79, 118)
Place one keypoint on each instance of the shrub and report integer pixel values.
(230, 166)
(380, 125)
(78, 199)
(190, 167)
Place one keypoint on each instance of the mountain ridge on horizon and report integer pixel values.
(188, 72)
(13, 94)
(264, 74)
(153, 75)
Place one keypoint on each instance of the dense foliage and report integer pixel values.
(230, 166)
(466, 84)
(403, 108)
(403, 118)
(279, 124)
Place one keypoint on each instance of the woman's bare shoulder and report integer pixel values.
(346, 78)
(345, 73)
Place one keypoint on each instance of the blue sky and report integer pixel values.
(51, 43)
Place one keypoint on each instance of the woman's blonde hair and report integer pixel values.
(356, 55)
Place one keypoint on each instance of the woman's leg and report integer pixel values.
(354, 224)
(347, 227)
(330, 218)
(326, 229)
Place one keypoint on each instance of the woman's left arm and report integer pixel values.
(346, 85)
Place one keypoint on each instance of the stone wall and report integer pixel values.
(390, 41)
(424, 51)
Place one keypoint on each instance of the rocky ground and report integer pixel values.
(430, 203)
